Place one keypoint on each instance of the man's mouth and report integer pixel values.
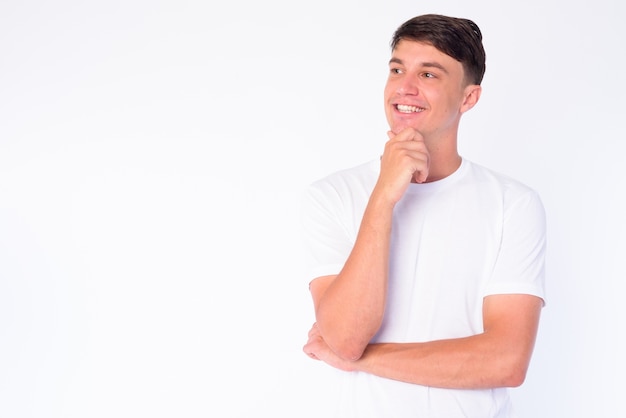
(409, 109)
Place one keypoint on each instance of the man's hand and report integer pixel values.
(317, 349)
(405, 160)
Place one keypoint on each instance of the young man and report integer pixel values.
(428, 269)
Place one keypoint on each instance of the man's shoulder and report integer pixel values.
(480, 172)
(502, 186)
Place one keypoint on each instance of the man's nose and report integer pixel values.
(409, 86)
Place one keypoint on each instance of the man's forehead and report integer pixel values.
(421, 53)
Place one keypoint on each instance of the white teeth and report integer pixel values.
(408, 109)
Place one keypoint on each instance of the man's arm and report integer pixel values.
(497, 357)
(349, 307)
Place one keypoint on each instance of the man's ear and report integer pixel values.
(472, 94)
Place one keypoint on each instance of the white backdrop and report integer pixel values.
(152, 154)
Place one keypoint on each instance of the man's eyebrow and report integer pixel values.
(435, 65)
(394, 60)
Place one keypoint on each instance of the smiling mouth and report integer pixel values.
(409, 109)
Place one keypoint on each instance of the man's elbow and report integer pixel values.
(514, 375)
(514, 380)
(349, 346)
(349, 350)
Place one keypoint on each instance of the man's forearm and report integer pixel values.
(498, 357)
(351, 309)
(446, 364)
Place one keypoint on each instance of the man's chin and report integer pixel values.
(399, 127)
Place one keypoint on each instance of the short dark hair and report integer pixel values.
(459, 38)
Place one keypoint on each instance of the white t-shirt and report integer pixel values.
(454, 241)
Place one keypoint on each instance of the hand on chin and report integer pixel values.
(400, 125)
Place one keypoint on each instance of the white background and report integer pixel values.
(152, 155)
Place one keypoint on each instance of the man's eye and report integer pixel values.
(429, 75)
(396, 71)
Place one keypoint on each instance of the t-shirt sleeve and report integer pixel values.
(326, 237)
(520, 265)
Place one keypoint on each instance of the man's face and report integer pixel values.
(425, 90)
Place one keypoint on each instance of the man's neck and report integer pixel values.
(443, 162)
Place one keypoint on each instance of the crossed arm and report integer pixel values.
(349, 307)
(497, 357)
